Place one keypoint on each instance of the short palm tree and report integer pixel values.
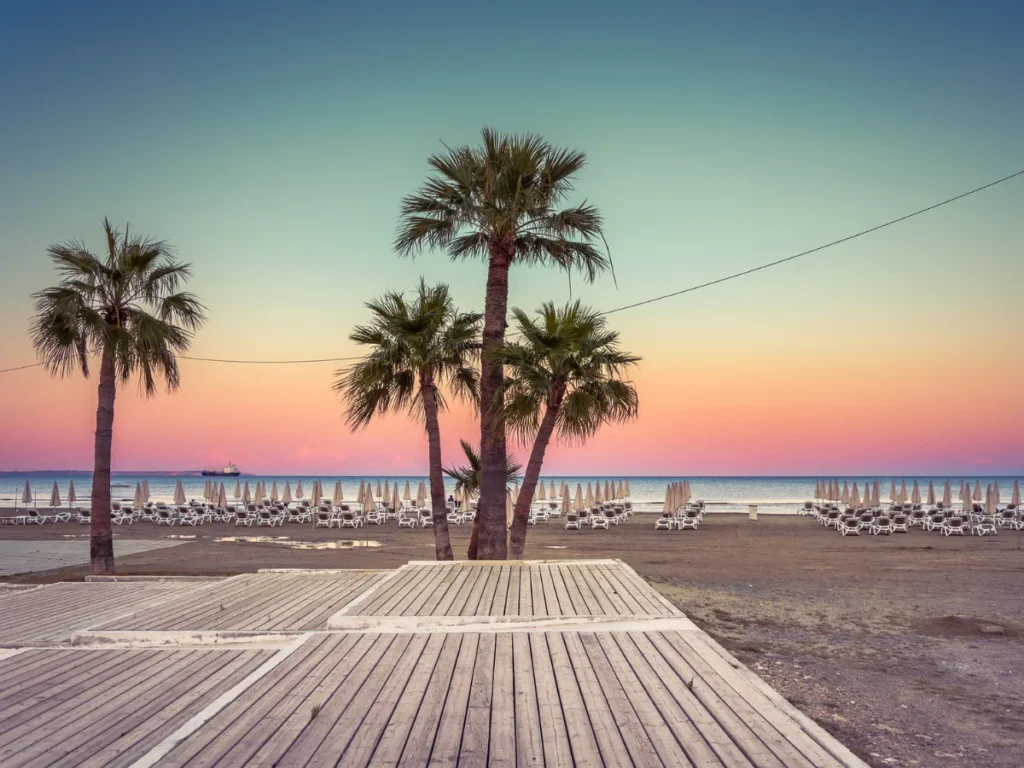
(126, 308)
(501, 202)
(467, 477)
(565, 374)
(418, 349)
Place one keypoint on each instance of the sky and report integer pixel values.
(272, 147)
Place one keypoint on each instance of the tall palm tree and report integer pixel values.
(565, 374)
(467, 477)
(126, 308)
(419, 347)
(501, 202)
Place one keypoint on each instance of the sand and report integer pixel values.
(909, 648)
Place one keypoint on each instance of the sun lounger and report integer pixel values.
(850, 525)
(900, 523)
(572, 521)
(598, 520)
(426, 518)
(954, 526)
(349, 520)
(882, 526)
(664, 523)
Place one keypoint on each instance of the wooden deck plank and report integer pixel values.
(554, 732)
(511, 607)
(466, 604)
(479, 604)
(452, 593)
(652, 667)
(566, 606)
(396, 732)
(540, 602)
(577, 722)
(601, 586)
(360, 750)
(420, 742)
(476, 730)
(597, 600)
(641, 750)
(529, 745)
(637, 598)
(380, 602)
(500, 596)
(606, 732)
(502, 738)
(448, 741)
(39, 667)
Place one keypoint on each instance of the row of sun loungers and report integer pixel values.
(599, 516)
(900, 518)
(686, 517)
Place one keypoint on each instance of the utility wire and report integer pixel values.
(645, 302)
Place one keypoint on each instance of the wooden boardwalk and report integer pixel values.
(552, 664)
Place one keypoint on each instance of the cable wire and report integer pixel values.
(645, 302)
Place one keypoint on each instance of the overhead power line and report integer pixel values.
(654, 299)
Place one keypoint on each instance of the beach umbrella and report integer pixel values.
(287, 498)
(464, 505)
(566, 503)
(903, 491)
(420, 495)
(968, 504)
(995, 492)
(179, 493)
(961, 495)
(589, 498)
(628, 494)
(299, 492)
(551, 490)
(137, 501)
(541, 494)
(892, 491)
(314, 499)
(915, 495)
(55, 496)
(947, 495)
(875, 497)
(977, 490)
(26, 495)
(597, 493)
(145, 490)
(273, 491)
(206, 489)
(387, 490)
(668, 499)
(931, 493)
(361, 493)
(845, 496)
(378, 488)
(406, 495)
(855, 497)
(72, 498)
(396, 503)
(990, 501)
(817, 489)
(222, 498)
(246, 498)
(238, 490)
(564, 490)
(577, 502)
(1015, 498)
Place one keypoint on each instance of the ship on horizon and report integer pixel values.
(229, 470)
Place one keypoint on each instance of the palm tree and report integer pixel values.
(418, 349)
(126, 308)
(564, 374)
(501, 202)
(467, 477)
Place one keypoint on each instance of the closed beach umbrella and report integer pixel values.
(845, 495)
(577, 502)
(315, 496)
(287, 498)
(963, 490)
(564, 490)
(915, 495)
(378, 488)
(977, 490)
(551, 489)
(668, 499)
(338, 496)
(628, 494)
(396, 503)
(361, 493)
(26, 495)
(947, 495)
(299, 492)
(246, 498)
(406, 494)
(990, 501)
(145, 490)
(1015, 498)
(995, 492)
(566, 504)
(876, 495)
(222, 498)
(892, 490)
(55, 496)
(464, 505)
(421, 495)
(541, 494)
(72, 498)
(387, 490)
(273, 491)
(855, 497)
(137, 501)
(903, 491)
(589, 499)
(597, 493)
(238, 490)
(179, 492)
(968, 504)
(931, 493)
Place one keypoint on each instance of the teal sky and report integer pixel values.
(272, 147)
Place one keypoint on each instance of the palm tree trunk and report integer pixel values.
(101, 543)
(442, 541)
(489, 540)
(521, 513)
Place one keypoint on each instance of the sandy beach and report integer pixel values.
(908, 648)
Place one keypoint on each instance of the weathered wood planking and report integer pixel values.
(49, 615)
(251, 602)
(106, 708)
(553, 699)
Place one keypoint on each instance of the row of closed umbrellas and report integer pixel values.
(829, 490)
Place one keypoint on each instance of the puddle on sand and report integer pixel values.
(284, 541)
(181, 536)
(554, 546)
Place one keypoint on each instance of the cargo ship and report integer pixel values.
(228, 471)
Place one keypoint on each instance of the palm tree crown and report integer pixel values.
(506, 196)
(409, 339)
(467, 477)
(126, 302)
(566, 359)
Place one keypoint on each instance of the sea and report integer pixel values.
(772, 495)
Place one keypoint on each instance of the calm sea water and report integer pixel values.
(773, 495)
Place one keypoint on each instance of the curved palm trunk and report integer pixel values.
(442, 541)
(489, 539)
(101, 543)
(521, 513)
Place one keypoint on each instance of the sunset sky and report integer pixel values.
(272, 148)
